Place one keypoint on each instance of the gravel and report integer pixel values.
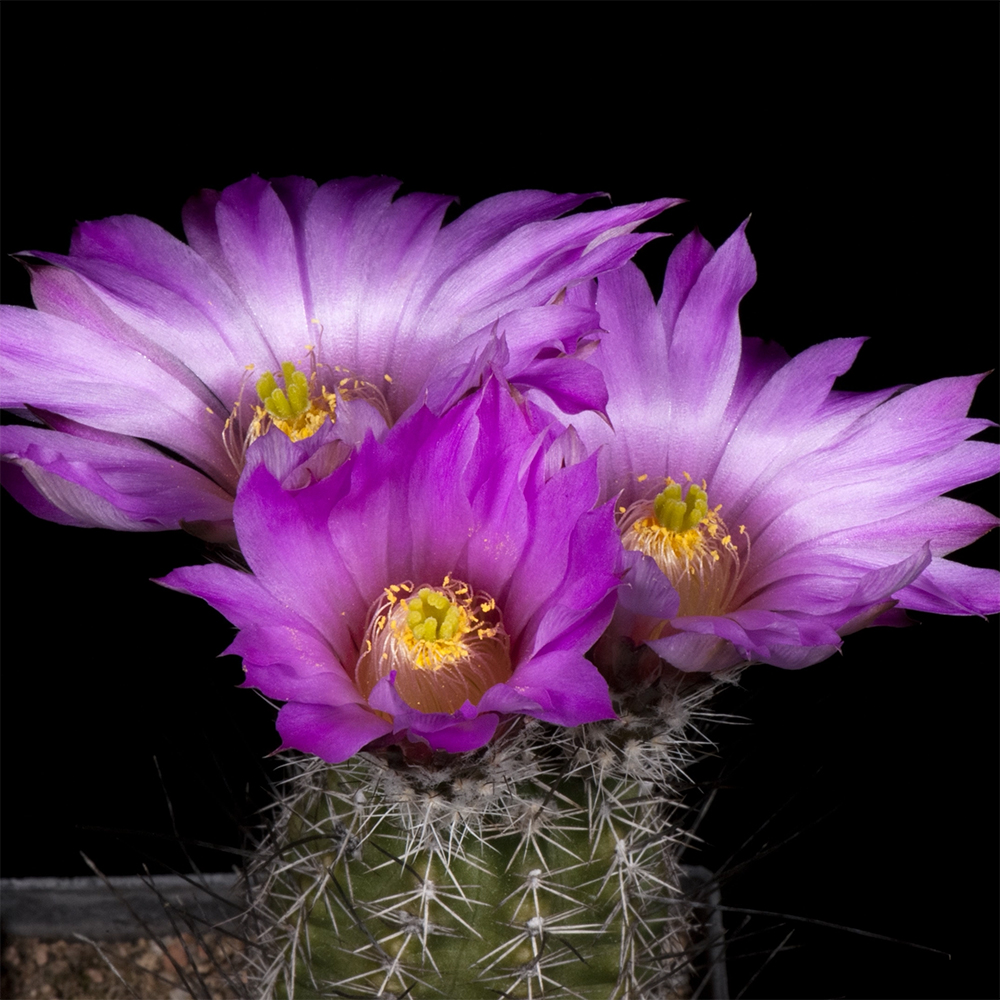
(176, 968)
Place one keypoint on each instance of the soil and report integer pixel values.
(182, 968)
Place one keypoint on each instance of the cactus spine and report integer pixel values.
(542, 865)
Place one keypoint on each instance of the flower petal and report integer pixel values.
(163, 289)
(331, 732)
(950, 588)
(465, 729)
(107, 385)
(242, 598)
(566, 686)
(115, 482)
(292, 664)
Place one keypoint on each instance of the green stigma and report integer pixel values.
(676, 514)
(431, 616)
(276, 402)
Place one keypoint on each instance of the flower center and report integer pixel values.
(446, 644)
(690, 543)
(299, 406)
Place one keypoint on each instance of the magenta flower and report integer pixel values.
(766, 514)
(155, 363)
(426, 587)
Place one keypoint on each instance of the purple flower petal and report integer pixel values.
(113, 481)
(949, 588)
(58, 365)
(645, 590)
(465, 729)
(332, 732)
(293, 664)
(160, 288)
(568, 688)
(238, 596)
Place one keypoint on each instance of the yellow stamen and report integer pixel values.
(446, 644)
(298, 402)
(690, 543)
(298, 411)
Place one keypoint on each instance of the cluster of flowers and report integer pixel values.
(457, 456)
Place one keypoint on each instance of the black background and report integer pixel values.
(859, 792)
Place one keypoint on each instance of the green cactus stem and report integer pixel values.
(543, 865)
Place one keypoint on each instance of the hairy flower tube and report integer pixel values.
(426, 587)
(150, 365)
(766, 514)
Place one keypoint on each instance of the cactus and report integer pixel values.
(544, 864)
